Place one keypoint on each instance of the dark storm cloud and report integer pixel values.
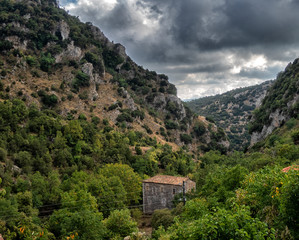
(246, 41)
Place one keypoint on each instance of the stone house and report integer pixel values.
(159, 191)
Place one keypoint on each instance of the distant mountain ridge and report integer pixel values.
(232, 111)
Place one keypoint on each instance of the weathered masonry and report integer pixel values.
(159, 191)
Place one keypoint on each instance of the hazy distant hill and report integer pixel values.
(232, 111)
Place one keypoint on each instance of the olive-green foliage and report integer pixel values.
(78, 216)
(81, 80)
(271, 195)
(163, 218)
(173, 108)
(120, 224)
(220, 224)
(5, 45)
(169, 124)
(31, 60)
(295, 136)
(217, 110)
(147, 128)
(127, 115)
(46, 62)
(280, 94)
(95, 60)
(186, 138)
(199, 129)
(111, 58)
(131, 180)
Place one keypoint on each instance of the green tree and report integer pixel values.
(120, 224)
(220, 224)
(130, 180)
(78, 216)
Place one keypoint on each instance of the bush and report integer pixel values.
(81, 80)
(169, 124)
(111, 58)
(295, 136)
(199, 129)
(138, 113)
(5, 45)
(120, 223)
(82, 117)
(124, 117)
(187, 139)
(148, 130)
(31, 61)
(83, 95)
(47, 62)
(291, 123)
(163, 218)
(3, 154)
(50, 100)
(222, 224)
(94, 59)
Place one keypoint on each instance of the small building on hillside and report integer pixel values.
(159, 191)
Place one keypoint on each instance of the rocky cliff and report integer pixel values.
(51, 59)
(280, 104)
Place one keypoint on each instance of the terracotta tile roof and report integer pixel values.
(294, 167)
(165, 179)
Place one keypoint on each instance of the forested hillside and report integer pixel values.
(51, 59)
(232, 111)
(82, 125)
(280, 104)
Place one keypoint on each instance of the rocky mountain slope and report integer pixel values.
(52, 60)
(279, 106)
(232, 111)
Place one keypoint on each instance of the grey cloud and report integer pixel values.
(197, 36)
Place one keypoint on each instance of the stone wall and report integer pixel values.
(159, 196)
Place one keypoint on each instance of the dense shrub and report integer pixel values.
(81, 80)
(187, 139)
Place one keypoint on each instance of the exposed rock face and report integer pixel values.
(161, 100)
(95, 79)
(64, 30)
(121, 50)
(279, 105)
(99, 35)
(278, 118)
(129, 100)
(17, 43)
(179, 104)
(72, 53)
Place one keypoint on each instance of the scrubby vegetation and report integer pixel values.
(279, 98)
(231, 111)
(55, 54)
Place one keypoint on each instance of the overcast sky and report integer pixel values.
(204, 46)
